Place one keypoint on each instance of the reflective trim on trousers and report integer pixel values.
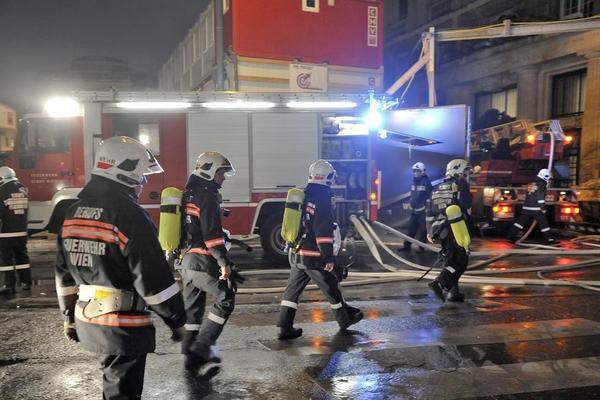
(518, 225)
(13, 267)
(290, 304)
(545, 229)
(532, 208)
(450, 269)
(337, 306)
(216, 319)
(192, 327)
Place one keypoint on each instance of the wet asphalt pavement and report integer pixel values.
(504, 342)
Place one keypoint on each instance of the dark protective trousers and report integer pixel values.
(416, 225)
(13, 254)
(123, 376)
(525, 219)
(300, 276)
(453, 259)
(201, 335)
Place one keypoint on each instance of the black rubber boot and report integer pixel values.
(289, 333)
(455, 295)
(354, 313)
(7, 290)
(286, 323)
(437, 289)
(342, 317)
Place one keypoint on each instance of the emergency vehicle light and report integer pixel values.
(321, 104)
(238, 105)
(531, 139)
(373, 196)
(153, 105)
(568, 139)
(570, 210)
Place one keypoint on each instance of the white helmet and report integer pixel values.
(321, 172)
(7, 174)
(419, 167)
(126, 161)
(208, 163)
(457, 167)
(544, 174)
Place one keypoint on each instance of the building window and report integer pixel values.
(402, 9)
(568, 93)
(437, 8)
(505, 101)
(310, 5)
(576, 8)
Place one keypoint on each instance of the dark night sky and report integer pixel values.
(45, 35)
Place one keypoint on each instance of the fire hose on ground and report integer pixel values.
(396, 274)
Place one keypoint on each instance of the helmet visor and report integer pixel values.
(228, 171)
(152, 165)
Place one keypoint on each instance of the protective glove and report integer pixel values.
(70, 331)
(177, 334)
(235, 279)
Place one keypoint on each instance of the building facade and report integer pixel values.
(534, 77)
(292, 45)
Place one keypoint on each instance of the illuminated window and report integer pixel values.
(310, 5)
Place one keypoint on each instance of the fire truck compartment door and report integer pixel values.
(283, 147)
(228, 133)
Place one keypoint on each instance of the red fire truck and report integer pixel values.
(270, 138)
(508, 157)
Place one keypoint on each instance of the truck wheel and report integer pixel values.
(271, 240)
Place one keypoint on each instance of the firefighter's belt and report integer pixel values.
(103, 300)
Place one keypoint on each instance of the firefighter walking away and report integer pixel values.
(206, 268)
(312, 256)
(446, 214)
(111, 271)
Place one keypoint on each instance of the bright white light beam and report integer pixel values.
(238, 105)
(321, 104)
(153, 105)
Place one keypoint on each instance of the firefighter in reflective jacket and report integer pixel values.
(205, 268)
(110, 269)
(13, 234)
(419, 194)
(313, 257)
(454, 255)
(534, 208)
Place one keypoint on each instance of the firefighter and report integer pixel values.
(110, 269)
(534, 208)
(13, 234)
(205, 268)
(313, 256)
(419, 193)
(450, 230)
